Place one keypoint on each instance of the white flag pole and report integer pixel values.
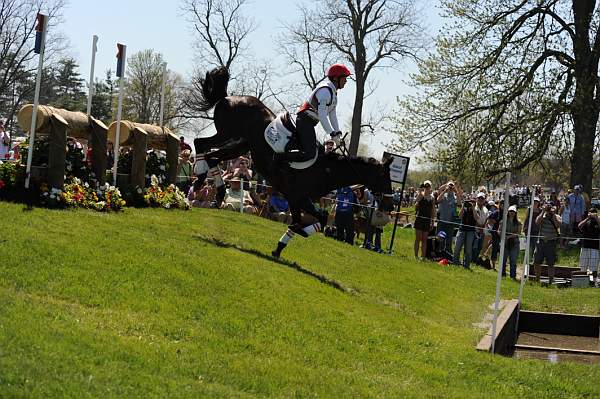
(162, 93)
(36, 103)
(499, 278)
(91, 90)
(119, 108)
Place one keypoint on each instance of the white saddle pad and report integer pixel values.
(277, 136)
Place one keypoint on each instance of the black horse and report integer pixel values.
(240, 122)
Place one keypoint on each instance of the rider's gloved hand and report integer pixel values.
(336, 137)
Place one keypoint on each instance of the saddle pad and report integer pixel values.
(277, 136)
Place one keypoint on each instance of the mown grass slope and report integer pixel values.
(156, 303)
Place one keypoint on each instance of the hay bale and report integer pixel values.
(157, 136)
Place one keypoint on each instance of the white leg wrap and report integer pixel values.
(215, 173)
(313, 228)
(289, 234)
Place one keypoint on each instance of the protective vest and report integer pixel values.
(321, 105)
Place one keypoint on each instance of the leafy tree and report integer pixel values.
(141, 101)
(511, 81)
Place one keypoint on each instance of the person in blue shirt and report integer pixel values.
(344, 215)
(278, 206)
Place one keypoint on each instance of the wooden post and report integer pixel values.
(172, 158)
(138, 163)
(97, 142)
(57, 152)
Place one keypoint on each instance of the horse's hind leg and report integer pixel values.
(204, 144)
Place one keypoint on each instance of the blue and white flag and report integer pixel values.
(121, 59)
(39, 32)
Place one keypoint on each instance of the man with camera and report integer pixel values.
(589, 256)
(549, 223)
(447, 202)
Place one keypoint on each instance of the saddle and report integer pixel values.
(288, 123)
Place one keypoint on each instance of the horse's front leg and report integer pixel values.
(289, 234)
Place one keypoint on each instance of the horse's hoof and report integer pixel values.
(275, 254)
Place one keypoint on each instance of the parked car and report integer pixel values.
(596, 203)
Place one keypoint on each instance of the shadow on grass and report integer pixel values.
(293, 265)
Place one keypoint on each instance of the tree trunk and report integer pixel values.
(582, 158)
(357, 113)
(584, 105)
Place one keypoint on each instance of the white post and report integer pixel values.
(162, 93)
(91, 85)
(242, 195)
(499, 278)
(36, 103)
(527, 254)
(119, 108)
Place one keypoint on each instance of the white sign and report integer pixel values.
(398, 167)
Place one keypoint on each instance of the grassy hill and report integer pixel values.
(156, 303)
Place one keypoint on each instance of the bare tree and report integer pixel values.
(368, 34)
(221, 31)
(17, 35)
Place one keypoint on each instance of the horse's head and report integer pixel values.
(382, 186)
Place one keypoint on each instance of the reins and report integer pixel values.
(346, 155)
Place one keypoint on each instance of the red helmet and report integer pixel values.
(338, 70)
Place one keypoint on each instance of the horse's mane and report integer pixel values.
(354, 160)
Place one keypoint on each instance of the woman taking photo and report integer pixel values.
(425, 215)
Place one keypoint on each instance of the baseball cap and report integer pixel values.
(441, 234)
(536, 199)
(512, 208)
(491, 203)
(426, 182)
(480, 195)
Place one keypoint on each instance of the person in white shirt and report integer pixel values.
(319, 107)
(4, 142)
(481, 215)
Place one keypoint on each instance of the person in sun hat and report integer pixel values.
(511, 245)
(425, 215)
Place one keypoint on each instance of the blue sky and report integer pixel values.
(160, 25)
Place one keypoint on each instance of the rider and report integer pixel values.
(319, 107)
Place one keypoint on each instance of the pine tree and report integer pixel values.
(69, 86)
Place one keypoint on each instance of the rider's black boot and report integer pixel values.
(323, 218)
(280, 161)
(277, 251)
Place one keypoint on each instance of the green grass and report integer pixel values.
(155, 303)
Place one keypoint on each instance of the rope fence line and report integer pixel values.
(521, 235)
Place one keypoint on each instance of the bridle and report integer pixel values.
(342, 147)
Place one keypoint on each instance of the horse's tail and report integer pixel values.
(214, 88)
